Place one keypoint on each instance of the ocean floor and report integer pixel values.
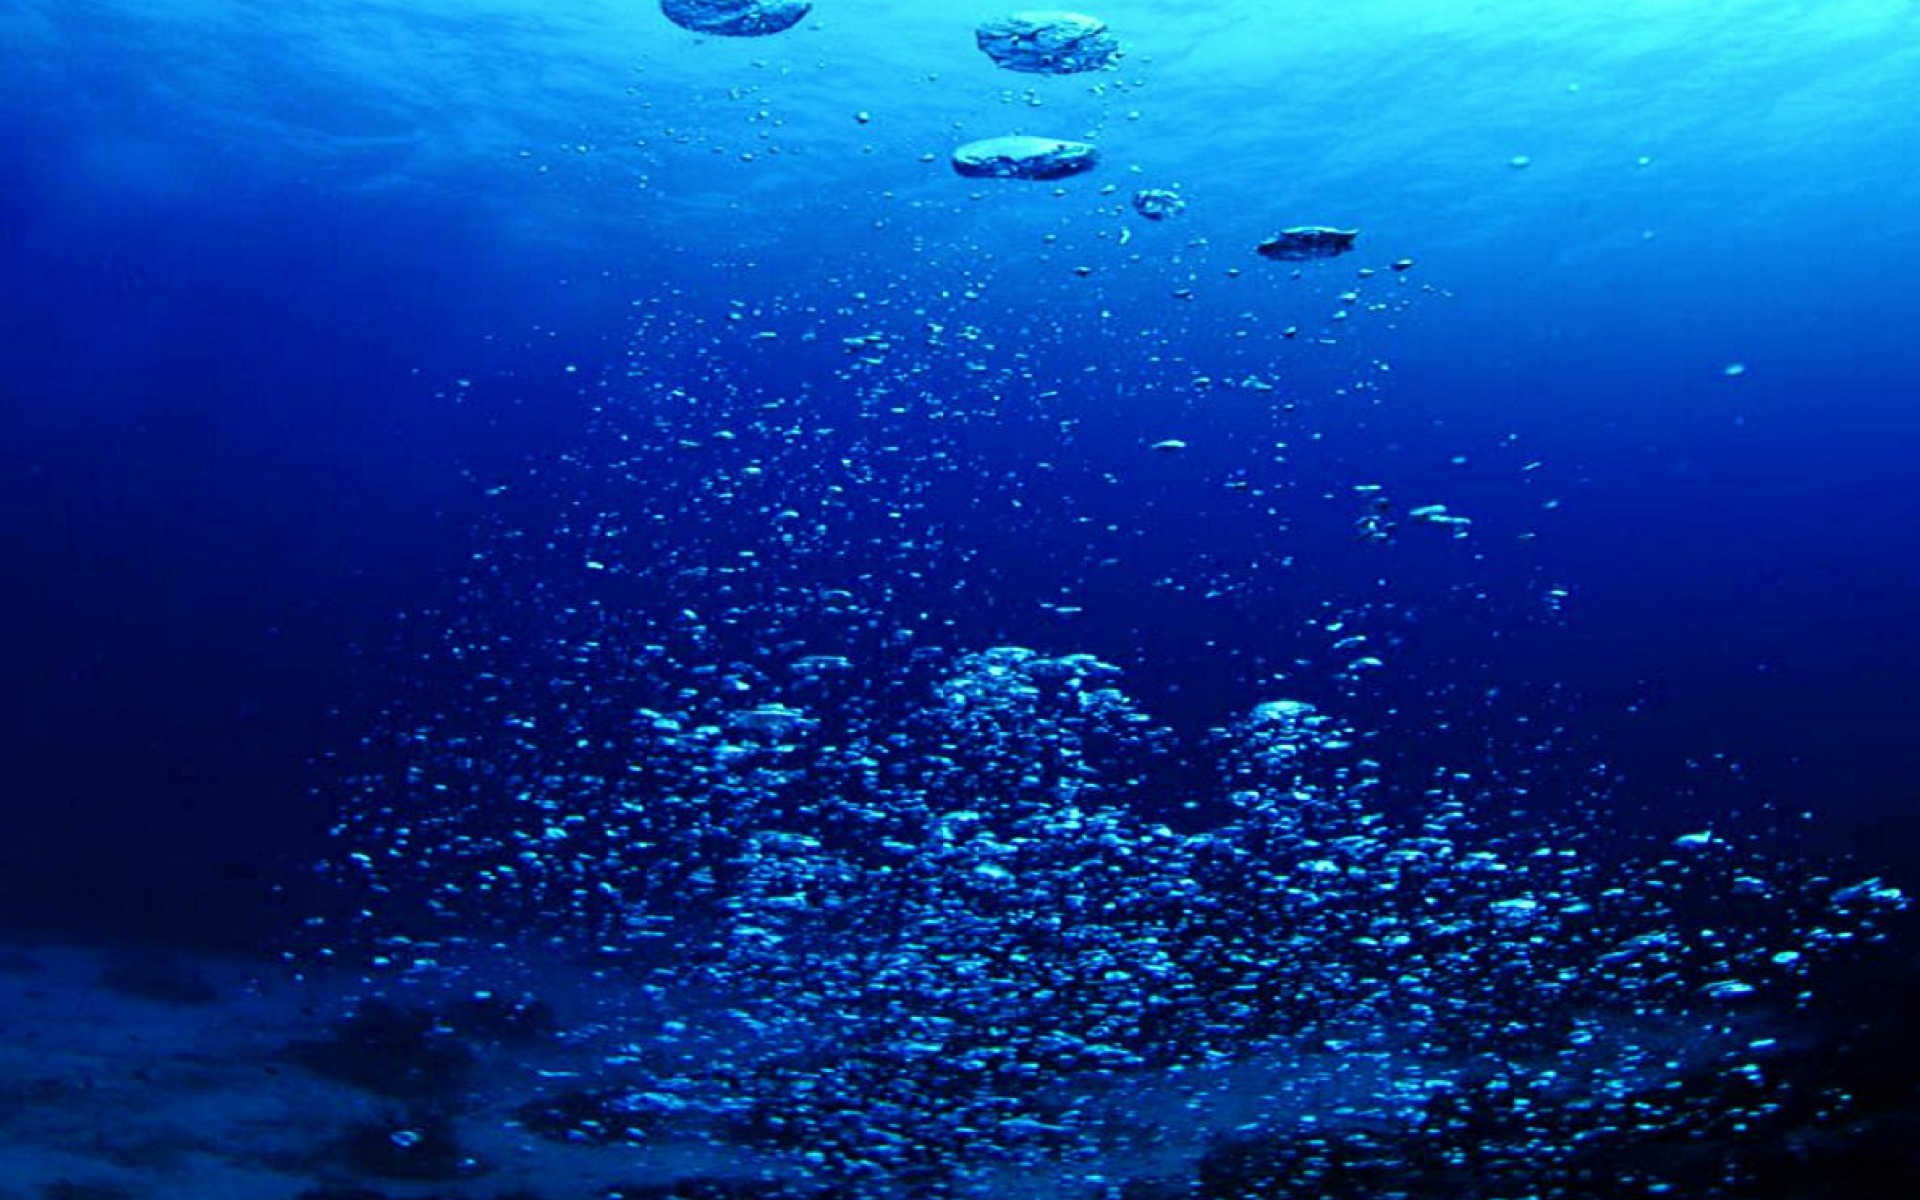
(131, 1075)
(155, 1075)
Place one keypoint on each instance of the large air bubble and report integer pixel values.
(736, 18)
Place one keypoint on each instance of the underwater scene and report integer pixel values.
(837, 600)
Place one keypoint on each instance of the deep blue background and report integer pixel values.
(233, 450)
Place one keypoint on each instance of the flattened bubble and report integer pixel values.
(1304, 242)
(1157, 204)
(736, 18)
(1023, 157)
(1517, 908)
(1048, 43)
(775, 720)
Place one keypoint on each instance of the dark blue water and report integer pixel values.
(341, 344)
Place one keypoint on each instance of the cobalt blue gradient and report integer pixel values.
(250, 253)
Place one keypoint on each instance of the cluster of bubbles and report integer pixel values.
(938, 944)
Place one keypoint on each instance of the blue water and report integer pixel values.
(364, 360)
